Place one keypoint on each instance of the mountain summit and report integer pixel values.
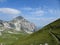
(19, 17)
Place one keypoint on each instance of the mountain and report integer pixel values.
(18, 24)
(48, 35)
(22, 24)
(11, 31)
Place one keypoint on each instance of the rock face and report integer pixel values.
(18, 24)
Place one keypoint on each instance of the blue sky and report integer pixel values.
(39, 12)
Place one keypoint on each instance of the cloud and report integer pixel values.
(38, 12)
(43, 18)
(34, 11)
(42, 11)
(10, 11)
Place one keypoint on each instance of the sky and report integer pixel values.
(39, 12)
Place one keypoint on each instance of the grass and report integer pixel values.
(8, 39)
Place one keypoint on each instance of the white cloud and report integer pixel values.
(55, 12)
(10, 11)
(41, 11)
(38, 12)
(34, 11)
(51, 11)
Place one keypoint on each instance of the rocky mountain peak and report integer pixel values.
(19, 24)
(19, 18)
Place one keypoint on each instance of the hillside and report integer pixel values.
(48, 35)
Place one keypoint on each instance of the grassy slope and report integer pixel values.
(8, 38)
(42, 36)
